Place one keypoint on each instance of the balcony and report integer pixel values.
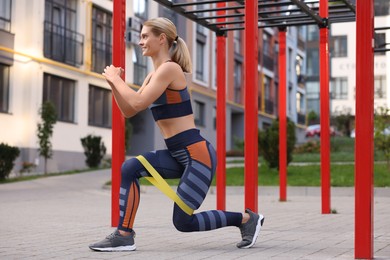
(63, 45)
(268, 62)
(301, 118)
(269, 106)
(101, 55)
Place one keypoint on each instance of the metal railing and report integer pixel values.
(62, 44)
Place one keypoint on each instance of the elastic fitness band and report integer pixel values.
(163, 186)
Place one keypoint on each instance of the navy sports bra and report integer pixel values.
(171, 104)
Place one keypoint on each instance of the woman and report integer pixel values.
(188, 155)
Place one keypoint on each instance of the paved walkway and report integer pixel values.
(57, 217)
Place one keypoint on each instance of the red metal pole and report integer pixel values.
(251, 107)
(282, 116)
(364, 144)
(118, 123)
(221, 116)
(324, 112)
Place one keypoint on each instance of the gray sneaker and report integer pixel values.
(250, 230)
(115, 242)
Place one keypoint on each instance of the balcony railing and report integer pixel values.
(62, 44)
(101, 55)
(268, 62)
(301, 118)
(269, 106)
(5, 24)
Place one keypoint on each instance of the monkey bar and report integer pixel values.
(222, 16)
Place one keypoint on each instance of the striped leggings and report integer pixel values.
(188, 157)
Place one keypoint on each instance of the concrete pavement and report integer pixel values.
(57, 217)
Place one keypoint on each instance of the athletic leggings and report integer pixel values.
(188, 157)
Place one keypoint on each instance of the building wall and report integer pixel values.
(26, 49)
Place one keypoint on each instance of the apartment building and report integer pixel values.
(56, 50)
(342, 44)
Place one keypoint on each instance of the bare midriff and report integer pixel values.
(173, 126)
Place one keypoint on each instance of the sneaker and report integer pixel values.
(115, 242)
(250, 230)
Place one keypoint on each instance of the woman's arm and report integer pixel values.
(131, 102)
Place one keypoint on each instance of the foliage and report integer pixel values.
(311, 146)
(343, 121)
(312, 118)
(8, 154)
(269, 143)
(94, 150)
(45, 130)
(381, 135)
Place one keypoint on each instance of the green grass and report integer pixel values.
(307, 175)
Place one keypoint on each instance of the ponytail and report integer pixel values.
(181, 55)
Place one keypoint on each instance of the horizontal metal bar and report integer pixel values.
(381, 28)
(214, 9)
(200, 2)
(381, 49)
(221, 16)
(309, 11)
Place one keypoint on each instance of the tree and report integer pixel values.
(45, 131)
(382, 132)
(269, 143)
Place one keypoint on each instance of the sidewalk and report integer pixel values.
(57, 217)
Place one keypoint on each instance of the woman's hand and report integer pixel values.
(111, 73)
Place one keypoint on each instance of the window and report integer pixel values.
(380, 42)
(313, 96)
(312, 32)
(267, 44)
(61, 40)
(312, 62)
(4, 88)
(237, 81)
(237, 37)
(339, 47)
(380, 86)
(382, 7)
(140, 66)
(140, 62)
(99, 106)
(339, 88)
(61, 92)
(199, 113)
(5, 15)
(200, 54)
(141, 8)
(201, 40)
(101, 39)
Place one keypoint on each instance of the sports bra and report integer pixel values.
(171, 104)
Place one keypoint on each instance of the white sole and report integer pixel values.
(260, 222)
(115, 249)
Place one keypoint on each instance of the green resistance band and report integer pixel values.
(163, 186)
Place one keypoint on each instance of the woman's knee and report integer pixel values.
(131, 168)
(182, 221)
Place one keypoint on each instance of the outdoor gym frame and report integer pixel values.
(281, 14)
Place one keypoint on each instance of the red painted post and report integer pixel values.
(282, 116)
(324, 112)
(118, 123)
(221, 116)
(364, 144)
(251, 107)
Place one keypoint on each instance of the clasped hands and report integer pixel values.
(111, 73)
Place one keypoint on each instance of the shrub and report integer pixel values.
(8, 154)
(269, 143)
(94, 150)
(312, 146)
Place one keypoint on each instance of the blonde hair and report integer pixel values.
(178, 48)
